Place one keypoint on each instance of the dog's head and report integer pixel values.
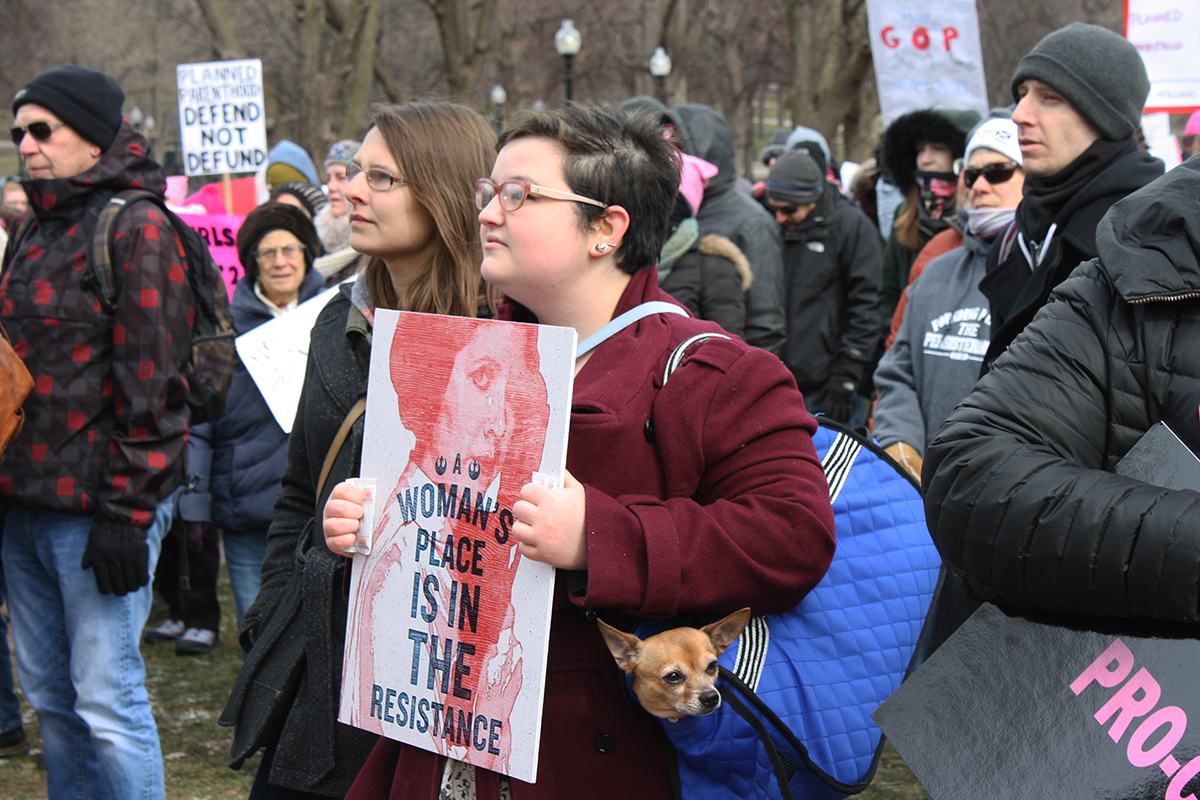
(675, 672)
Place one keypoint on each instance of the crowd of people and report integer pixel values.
(1004, 302)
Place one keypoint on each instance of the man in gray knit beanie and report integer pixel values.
(1079, 94)
(1101, 77)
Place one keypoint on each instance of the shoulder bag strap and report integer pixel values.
(356, 411)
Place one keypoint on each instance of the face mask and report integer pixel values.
(937, 191)
(987, 222)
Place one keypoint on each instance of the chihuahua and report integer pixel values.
(675, 672)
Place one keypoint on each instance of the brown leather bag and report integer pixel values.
(15, 385)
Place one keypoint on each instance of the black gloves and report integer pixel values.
(118, 555)
(837, 400)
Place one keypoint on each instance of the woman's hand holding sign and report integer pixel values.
(550, 523)
(342, 515)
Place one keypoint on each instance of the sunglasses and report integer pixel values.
(997, 173)
(513, 194)
(787, 211)
(40, 131)
(378, 179)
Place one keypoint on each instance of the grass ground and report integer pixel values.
(188, 695)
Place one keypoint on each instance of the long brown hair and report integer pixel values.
(441, 149)
(906, 220)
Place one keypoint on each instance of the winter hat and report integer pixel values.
(342, 152)
(1193, 124)
(310, 196)
(693, 177)
(288, 161)
(1099, 72)
(802, 137)
(274, 217)
(898, 148)
(87, 100)
(795, 179)
(775, 148)
(999, 135)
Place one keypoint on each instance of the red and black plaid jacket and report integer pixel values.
(107, 420)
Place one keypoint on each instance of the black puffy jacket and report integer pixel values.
(1020, 496)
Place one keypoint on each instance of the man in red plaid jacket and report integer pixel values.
(86, 486)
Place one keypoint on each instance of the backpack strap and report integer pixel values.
(99, 248)
(622, 322)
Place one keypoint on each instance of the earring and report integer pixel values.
(603, 247)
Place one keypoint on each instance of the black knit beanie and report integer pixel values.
(275, 217)
(1098, 71)
(795, 179)
(88, 101)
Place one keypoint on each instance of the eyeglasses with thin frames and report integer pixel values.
(40, 131)
(289, 251)
(513, 194)
(378, 179)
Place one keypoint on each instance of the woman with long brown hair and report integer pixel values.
(412, 215)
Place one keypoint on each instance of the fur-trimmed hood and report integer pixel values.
(715, 245)
(898, 149)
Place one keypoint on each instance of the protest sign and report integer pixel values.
(1033, 705)
(449, 625)
(1156, 131)
(222, 119)
(276, 356)
(220, 231)
(927, 54)
(1167, 34)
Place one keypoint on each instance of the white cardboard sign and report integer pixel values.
(1167, 34)
(222, 118)
(449, 625)
(276, 356)
(927, 54)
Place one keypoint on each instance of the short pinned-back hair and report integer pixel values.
(618, 160)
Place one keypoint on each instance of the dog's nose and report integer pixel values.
(710, 699)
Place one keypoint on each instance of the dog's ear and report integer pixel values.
(623, 646)
(725, 632)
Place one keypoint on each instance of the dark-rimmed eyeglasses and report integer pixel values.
(268, 254)
(1000, 172)
(378, 179)
(40, 131)
(513, 194)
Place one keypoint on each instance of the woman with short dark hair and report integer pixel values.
(703, 495)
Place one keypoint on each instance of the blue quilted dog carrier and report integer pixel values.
(798, 689)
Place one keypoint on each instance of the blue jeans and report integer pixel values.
(78, 659)
(244, 554)
(10, 706)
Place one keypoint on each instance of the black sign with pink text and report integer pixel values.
(1030, 705)
(1012, 706)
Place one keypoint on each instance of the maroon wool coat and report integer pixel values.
(728, 507)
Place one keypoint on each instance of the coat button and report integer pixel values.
(604, 743)
(590, 616)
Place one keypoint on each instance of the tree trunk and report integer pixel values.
(355, 112)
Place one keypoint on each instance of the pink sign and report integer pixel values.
(220, 231)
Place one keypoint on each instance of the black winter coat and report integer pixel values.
(249, 449)
(711, 280)
(1020, 495)
(727, 211)
(832, 262)
(1014, 293)
(316, 753)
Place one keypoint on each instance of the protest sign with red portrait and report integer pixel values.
(448, 629)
